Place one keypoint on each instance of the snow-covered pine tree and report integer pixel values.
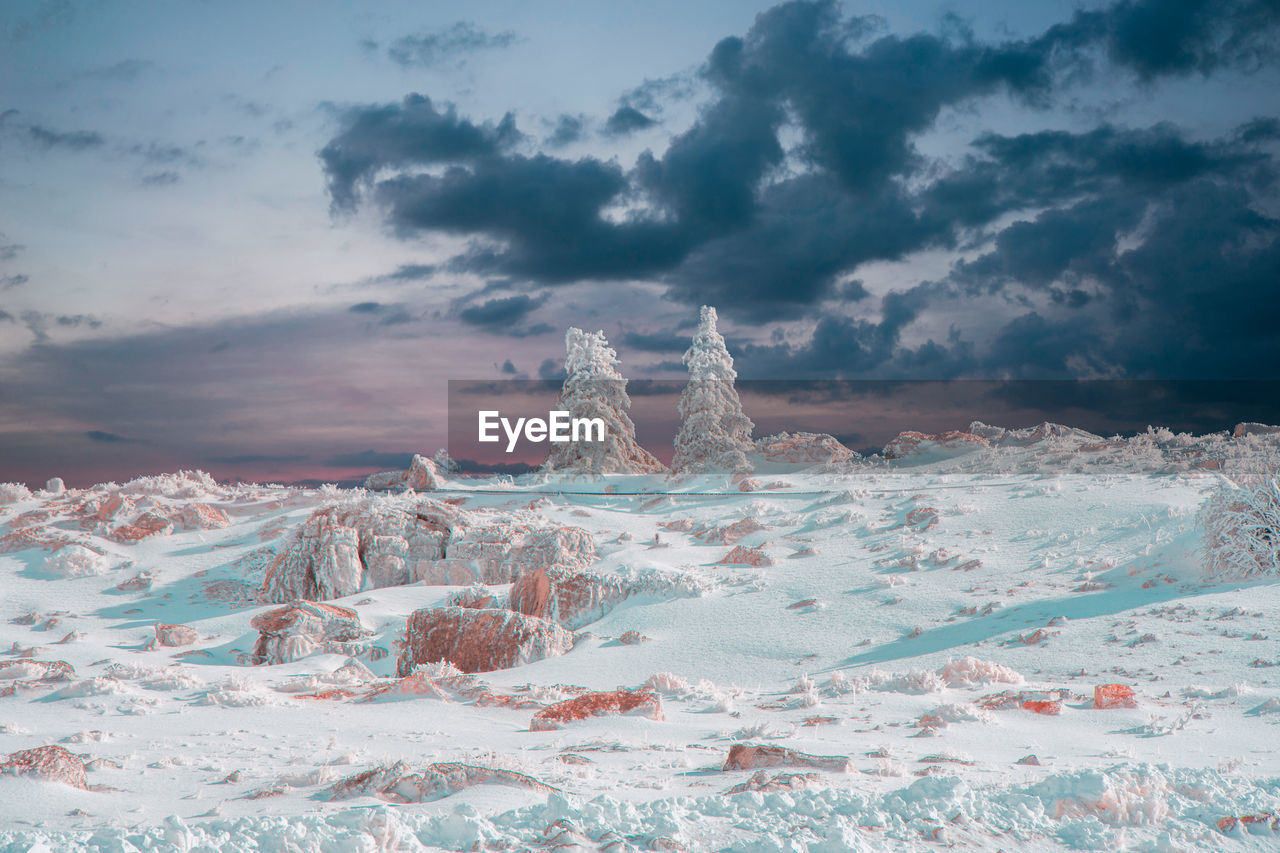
(593, 388)
(715, 434)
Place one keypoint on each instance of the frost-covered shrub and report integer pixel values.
(11, 493)
(181, 484)
(1241, 528)
(714, 432)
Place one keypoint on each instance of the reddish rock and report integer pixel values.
(1114, 696)
(423, 475)
(577, 598)
(175, 635)
(803, 604)
(632, 638)
(1248, 428)
(27, 539)
(198, 516)
(1029, 760)
(744, 556)
(750, 484)
(143, 527)
(399, 784)
(729, 534)
(1021, 698)
(752, 757)
(1042, 706)
(620, 701)
(45, 670)
(922, 446)
(474, 597)
(503, 552)
(922, 518)
(803, 448)
(1264, 820)
(110, 507)
(479, 640)
(302, 627)
(51, 763)
(140, 582)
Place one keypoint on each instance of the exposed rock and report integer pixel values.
(577, 598)
(175, 635)
(475, 597)
(398, 784)
(303, 627)
(621, 701)
(339, 548)
(51, 763)
(1029, 760)
(744, 556)
(479, 640)
(925, 447)
(1263, 820)
(761, 781)
(1001, 437)
(744, 756)
(632, 638)
(1249, 428)
(44, 670)
(1114, 696)
(922, 517)
(109, 508)
(730, 533)
(28, 539)
(140, 582)
(198, 516)
(1043, 706)
(143, 527)
(423, 475)
(803, 448)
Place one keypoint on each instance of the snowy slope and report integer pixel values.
(1058, 571)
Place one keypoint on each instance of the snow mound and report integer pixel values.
(75, 561)
(50, 763)
(803, 448)
(397, 783)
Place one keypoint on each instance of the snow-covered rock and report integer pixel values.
(803, 448)
(302, 627)
(503, 551)
(919, 446)
(55, 486)
(341, 547)
(145, 526)
(398, 783)
(175, 635)
(51, 763)
(744, 556)
(479, 640)
(577, 598)
(1249, 428)
(743, 756)
(75, 561)
(1025, 436)
(621, 701)
(423, 475)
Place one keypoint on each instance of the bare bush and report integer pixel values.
(1241, 524)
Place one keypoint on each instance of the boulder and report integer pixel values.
(761, 781)
(1249, 428)
(803, 448)
(744, 756)
(339, 549)
(1263, 820)
(577, 598)
(744, 556)
(51, 763)
(923, 447)
(198, 516)
(303, 627)
(55, 486)
(621, 701)
(479, 640)
(1026, 436)
(399, 784)
(1048, 707)
(175, 635)
(143, 527)
(506, 550)
(730, 533)
(1114, 696)
(423, 475)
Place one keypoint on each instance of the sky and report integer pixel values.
(261, 238)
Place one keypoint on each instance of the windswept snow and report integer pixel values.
(1010, 645)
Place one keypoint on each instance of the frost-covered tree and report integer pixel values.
(714, 434)
(593, 388)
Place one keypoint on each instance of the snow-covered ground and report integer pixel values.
(902, 617)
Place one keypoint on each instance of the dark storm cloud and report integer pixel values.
(412, 272)
(413, 132)
(655, 341)
(109, 437)
(567, 130)
(1089, 250)
(434, 48)
(9, 251)
(627, 120)
(366, 308)
(73, 140)
(502, 313)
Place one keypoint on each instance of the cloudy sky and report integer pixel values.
(259, 238)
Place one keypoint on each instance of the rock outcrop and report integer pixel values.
(51, 763)
(803, 448)
(303, 627)
(574, 599)
(1114, 696)
(621, 701)
(175, 635)
(423, 475)
(479, 640)
(925, 447)
(744, 756)
(398, 783)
